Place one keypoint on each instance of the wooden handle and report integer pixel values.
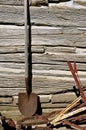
(28, 68)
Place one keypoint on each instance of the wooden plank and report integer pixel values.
(6, 100)
(43, 58)
(52, 66)
(17, 32)
(21, 49)
(50, 105)
(61, 49)
(11, 91)
(43, 16)
(16, 57)
(49, 57)
(60, 40)
(11, 71)
(41, 85)
(12, 65)
(21, 2)
(13, 12)
(50, 40)
(11, 78)
(32, 2)
(81, 2)
(57, 66)
(38, 49)
(57, 73)
(11, 82)
(44, 84)
(68, 98)
(7, 107)
(45, 98)
(48, 110)
(13, 36)
(12, 31)
(11, 2)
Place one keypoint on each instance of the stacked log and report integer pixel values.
(58, 35)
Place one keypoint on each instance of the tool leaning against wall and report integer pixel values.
(27, 101)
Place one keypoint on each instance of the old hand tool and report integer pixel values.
(27, 101)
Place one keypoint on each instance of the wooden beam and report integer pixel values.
(43, 16)
(80, 2)
(21, 2)
(32, 2)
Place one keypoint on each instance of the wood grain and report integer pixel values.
(58, 35)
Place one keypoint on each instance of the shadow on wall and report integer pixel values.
(50, 1)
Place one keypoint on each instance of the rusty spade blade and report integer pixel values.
(27, 104)
(27, 101)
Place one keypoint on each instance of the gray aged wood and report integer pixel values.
(21, 2)
(43, 16)
(32, 2)
(57, 35)
(12, 2)
(81, 2)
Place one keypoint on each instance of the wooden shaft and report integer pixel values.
(27, 47)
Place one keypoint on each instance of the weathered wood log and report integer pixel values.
(43, 58)
(57, 66)
(54, 40)
(12, 36)
(38, 2)
(12, 65)
(5, 100)
(50, 105)
(52, 66)
(81, 2)
(8, 107)
(12, 2)
(21, 2)
(68, 98)
(43, 16)
(49, 57)
(41, 85)
(21, 49)
(13, 31)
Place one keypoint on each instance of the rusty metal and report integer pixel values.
(77, 127)
(38, 119)
(43, 128)
(78, 118)
(34, 120)
(27, 104)
(74, 73)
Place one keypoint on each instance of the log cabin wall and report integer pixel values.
(58, 35)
